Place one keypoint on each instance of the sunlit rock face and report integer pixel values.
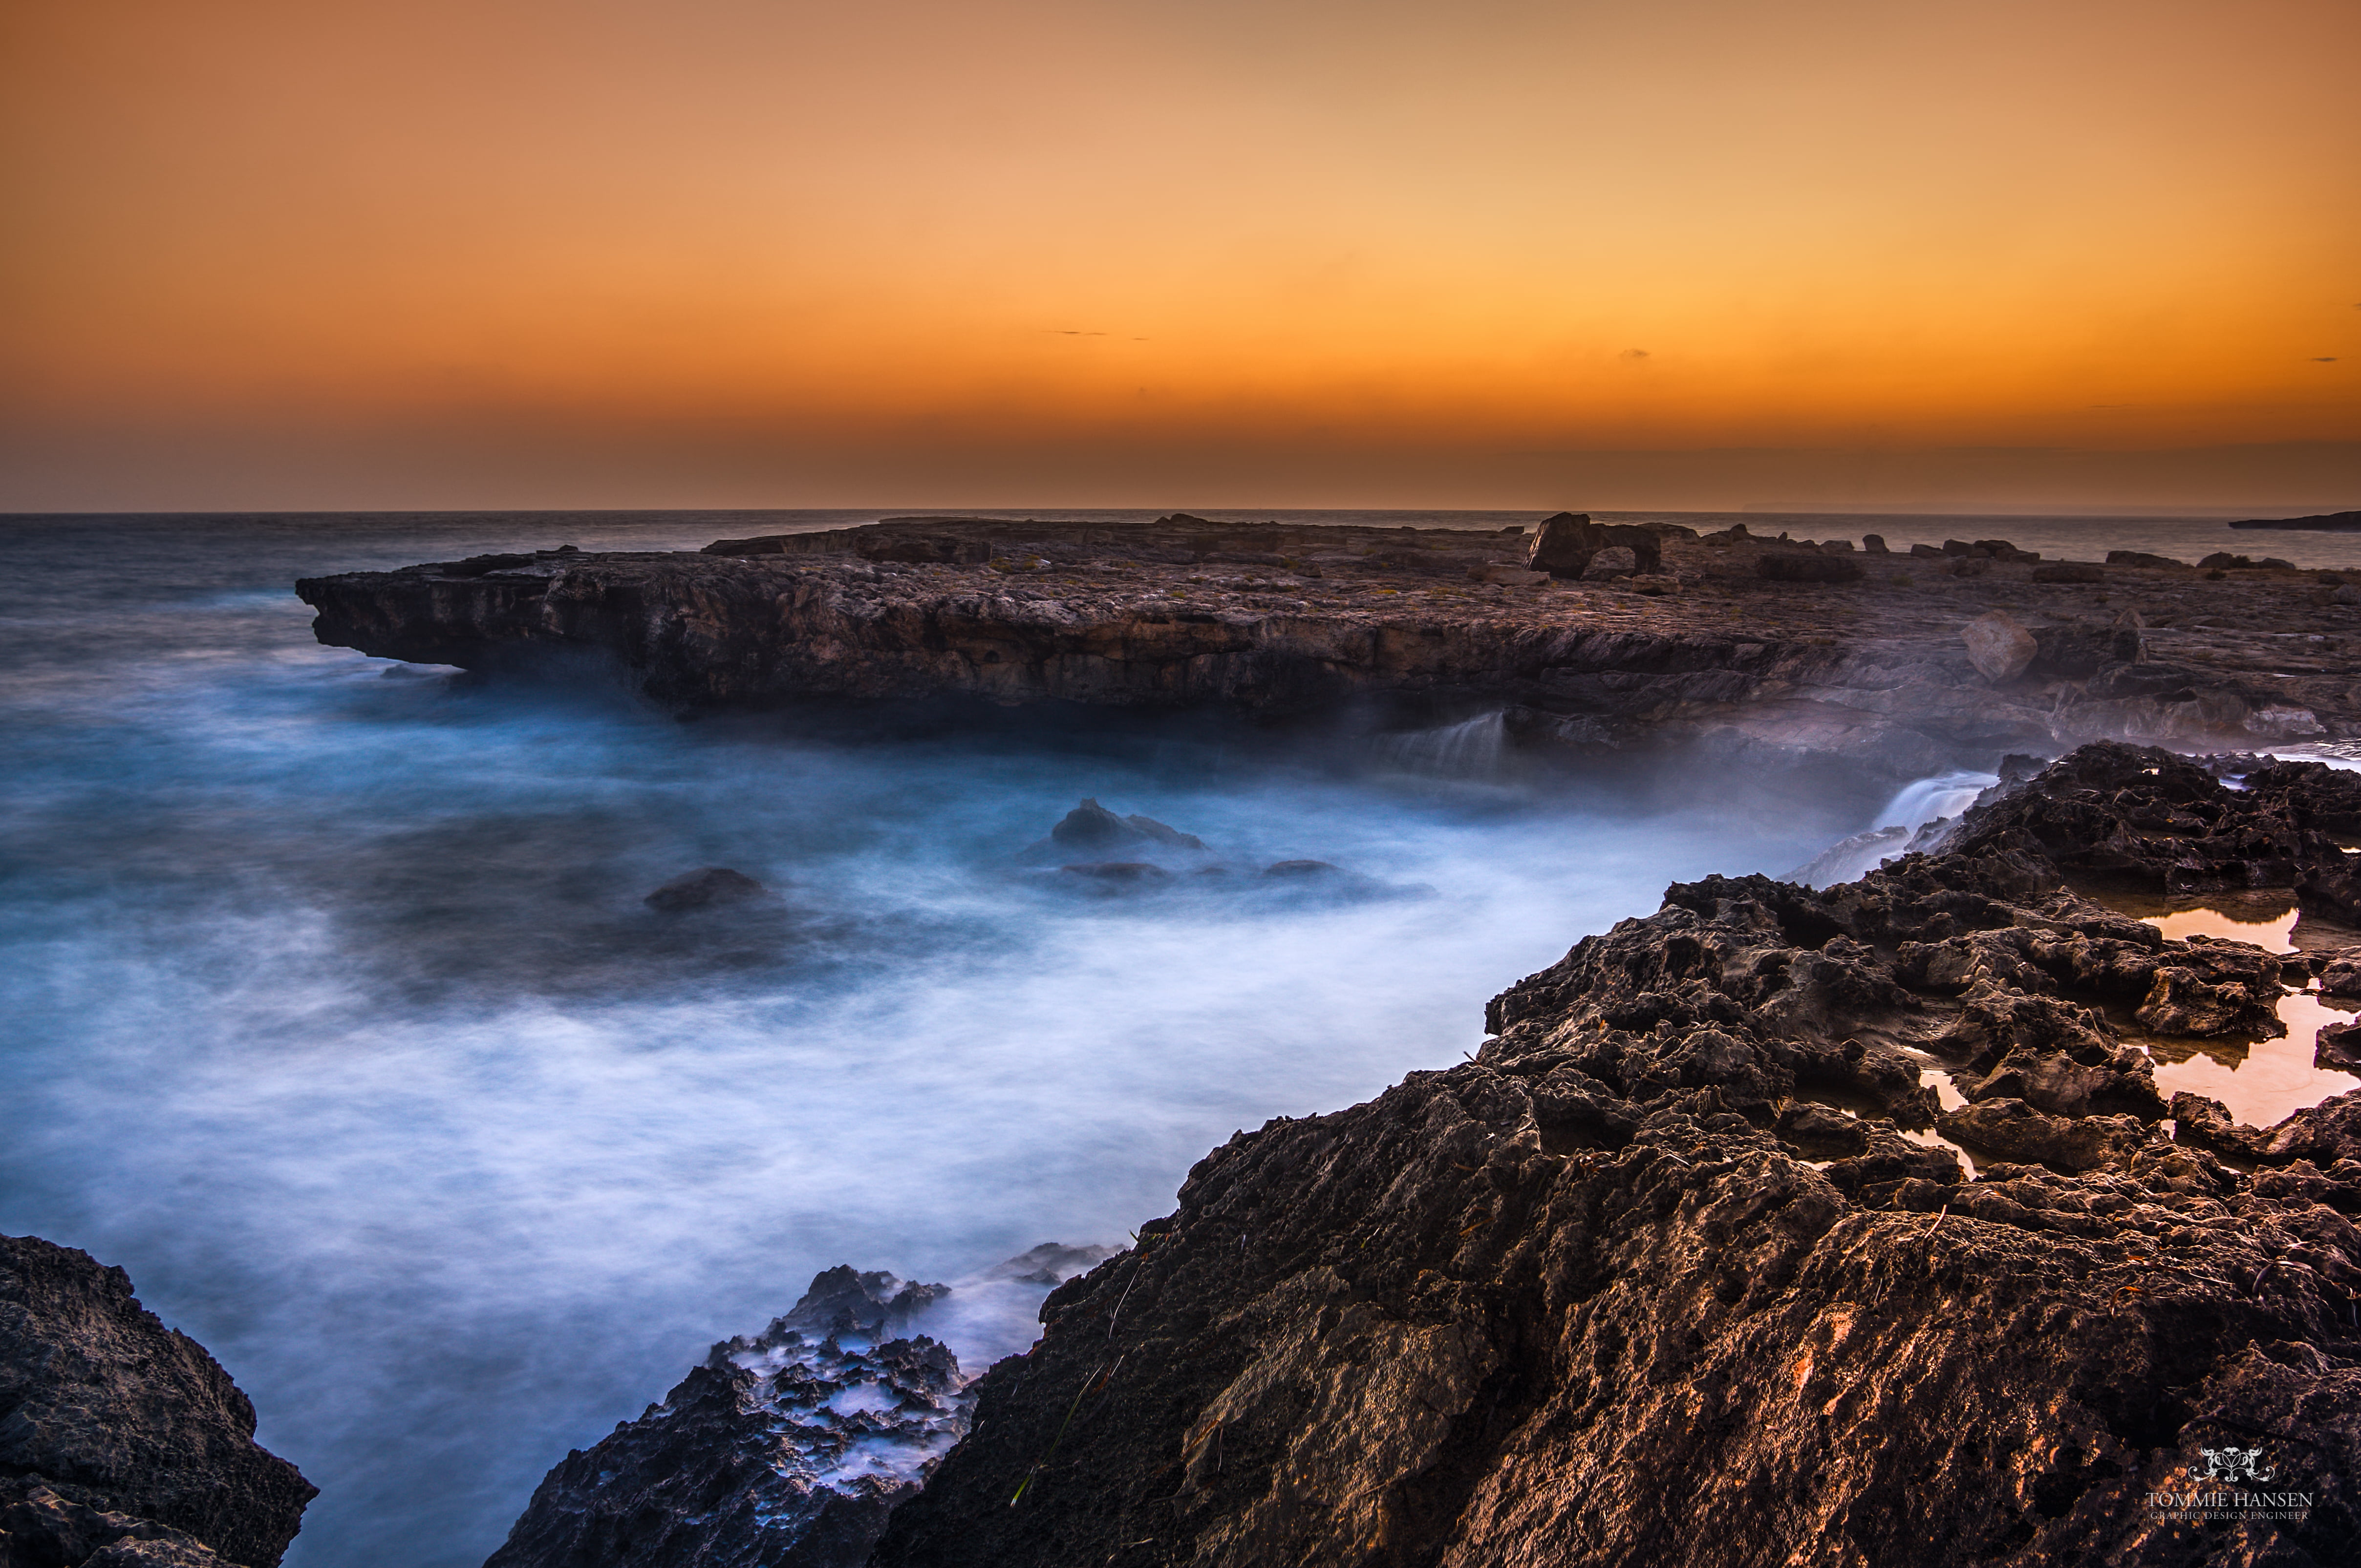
(122, 1441)
(1850, 1225)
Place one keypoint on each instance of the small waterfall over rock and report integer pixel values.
(1915, 806)
(1924, 800)
(1474, 747)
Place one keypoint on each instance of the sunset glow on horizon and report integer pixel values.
(1071, 252)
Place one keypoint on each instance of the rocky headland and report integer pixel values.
(1586, 638)
(122, 1443)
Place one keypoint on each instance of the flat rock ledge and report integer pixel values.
(122, 1443)
(1770, 648)
(1684, 1265)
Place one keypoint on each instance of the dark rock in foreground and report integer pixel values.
(121, 1441)
(1684, 1266)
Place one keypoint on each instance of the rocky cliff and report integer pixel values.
(1689, 1265)
(1773, 649)
(121, 1443)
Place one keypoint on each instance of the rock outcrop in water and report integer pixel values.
(786, 1449)
(1752, 650)
(1685, 1266)
(121, 1443)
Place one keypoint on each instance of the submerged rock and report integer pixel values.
(701, 889)
(1685, 1266)
(1091, 826)
(121, 1441)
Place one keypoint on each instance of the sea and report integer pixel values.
(334, 1011)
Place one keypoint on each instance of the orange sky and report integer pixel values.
(1189, 252)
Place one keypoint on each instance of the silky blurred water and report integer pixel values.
(333, 1012)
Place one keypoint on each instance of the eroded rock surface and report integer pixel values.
(121, 1441)
(1684, 1266)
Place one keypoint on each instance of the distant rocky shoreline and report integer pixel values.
(1688, 1265)
(2327, 522)
(1588, 640)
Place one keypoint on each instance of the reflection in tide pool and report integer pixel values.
(2267, 1081)
(2273, 936)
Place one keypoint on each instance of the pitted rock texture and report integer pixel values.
(121, 1441)
(1418, 625)
(1682, 1268)
(785, 1450)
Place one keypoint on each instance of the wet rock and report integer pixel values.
(2112, 816)
(2341, 975)
(1999, 648)
(2337, 1047)
(2206, 1124)
(786, 1448)
(1615, 560)
(120, 1436)
(2188, 1001)
(703, 888)
(1091, 828)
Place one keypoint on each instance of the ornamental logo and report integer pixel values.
(2219, 1492)
(2234, 1464)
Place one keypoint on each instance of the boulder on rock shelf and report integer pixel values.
(699, 889)
(2140, 558)
(1564, 546)
(1999, 648)
(2068, 572)
(1615, 560)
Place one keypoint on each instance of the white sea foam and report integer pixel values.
(337, 1019)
